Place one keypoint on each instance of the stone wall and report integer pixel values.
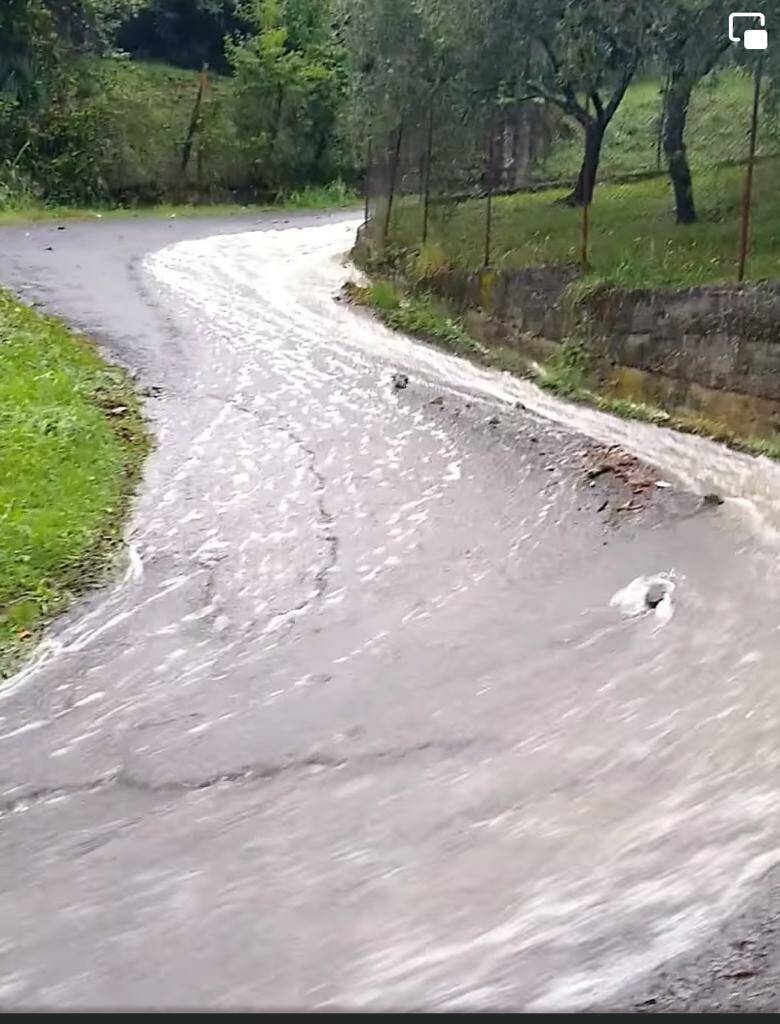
(709, 350)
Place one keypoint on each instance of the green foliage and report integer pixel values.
(418, 314)
(71, 445)
(289, 86)
(86, 130)
(634, 241)
(186, 33)
(719, 102)
(565, 372)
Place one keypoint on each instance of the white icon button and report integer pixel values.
(752, 38)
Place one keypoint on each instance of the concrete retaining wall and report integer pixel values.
(709, 350)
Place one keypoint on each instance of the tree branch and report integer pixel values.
(570, 103)
(563, 102)
(620, 91)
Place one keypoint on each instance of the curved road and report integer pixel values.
(359, 725)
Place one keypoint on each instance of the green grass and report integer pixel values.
(72, 442)
(419, 314)
(335, 196)
(121, 139)
(717, 126)
(153, 103)
(634, 241)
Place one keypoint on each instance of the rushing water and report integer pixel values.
(514, 787)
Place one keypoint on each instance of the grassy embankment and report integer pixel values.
(72, 442)
(146, 108)
(634, 241)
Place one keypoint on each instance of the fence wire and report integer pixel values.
(491, 185)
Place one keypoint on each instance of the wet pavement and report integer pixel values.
(360, 724)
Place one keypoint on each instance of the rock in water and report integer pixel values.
(656, 592)
(400, 381)
(712, 499)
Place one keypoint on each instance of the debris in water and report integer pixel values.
(712, 499)
(646, 594)
(400, 381)
(439, 400)
(625, 467)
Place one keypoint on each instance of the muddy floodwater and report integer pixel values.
(377, 713)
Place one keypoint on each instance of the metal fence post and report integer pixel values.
(393, 172)
(427, 195)
(585, 229)
(490, 185)
(367, 182)
(747, 191)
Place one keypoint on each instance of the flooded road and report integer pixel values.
(361, 724)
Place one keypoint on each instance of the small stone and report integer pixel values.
(493, 421)
(400, 381)
(519, 405)
(60, 227)
(439, 400)
(656, 592)
(712, 499)
(534, 440)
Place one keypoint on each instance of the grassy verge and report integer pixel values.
(335, 196)
(634, 241)
(565, 374)
(72, 442)
(717, 125)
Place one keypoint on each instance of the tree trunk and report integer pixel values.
(586, 182)
(678, 97)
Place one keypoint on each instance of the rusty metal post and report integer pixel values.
(661, 118)
(393, 173)
(490, 187)
(747, 190)
(367, 182)
(427, 195)
(585, 229)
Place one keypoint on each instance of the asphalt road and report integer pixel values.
(359, 724)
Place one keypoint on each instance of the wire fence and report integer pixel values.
(493, 186)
